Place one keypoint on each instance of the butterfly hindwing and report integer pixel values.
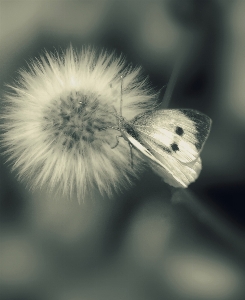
(176, 173)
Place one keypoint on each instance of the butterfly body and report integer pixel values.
(128, 128)
(171, 140)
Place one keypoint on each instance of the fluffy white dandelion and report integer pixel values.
(57, 121)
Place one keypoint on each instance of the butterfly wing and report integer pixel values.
(175, 138)
(172, 171)
(176, 173)
(142, 149)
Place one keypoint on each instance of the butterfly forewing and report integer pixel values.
(178, 133)
(202, 124)
(170, 169)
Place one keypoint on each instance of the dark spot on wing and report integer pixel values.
(174, 147)
(179, 131)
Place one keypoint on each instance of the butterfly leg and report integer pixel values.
(131, 155)
(117, 142)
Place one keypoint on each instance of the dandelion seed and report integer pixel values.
(58, 118)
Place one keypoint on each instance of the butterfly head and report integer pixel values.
(127, 127)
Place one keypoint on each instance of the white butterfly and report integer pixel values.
(170, 139)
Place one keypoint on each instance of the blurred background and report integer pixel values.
(149, 242)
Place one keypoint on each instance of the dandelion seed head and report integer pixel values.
(74, 119)
(59, 116)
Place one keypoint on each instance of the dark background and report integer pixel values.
(145, 243)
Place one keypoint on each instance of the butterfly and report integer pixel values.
(171, 140)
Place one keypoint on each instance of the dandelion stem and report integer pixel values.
(181, 57)
(171, 84)
(212, 219)
(121, 97)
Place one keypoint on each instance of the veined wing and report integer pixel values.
(179, 133)
(171, 170)
(178, 174)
